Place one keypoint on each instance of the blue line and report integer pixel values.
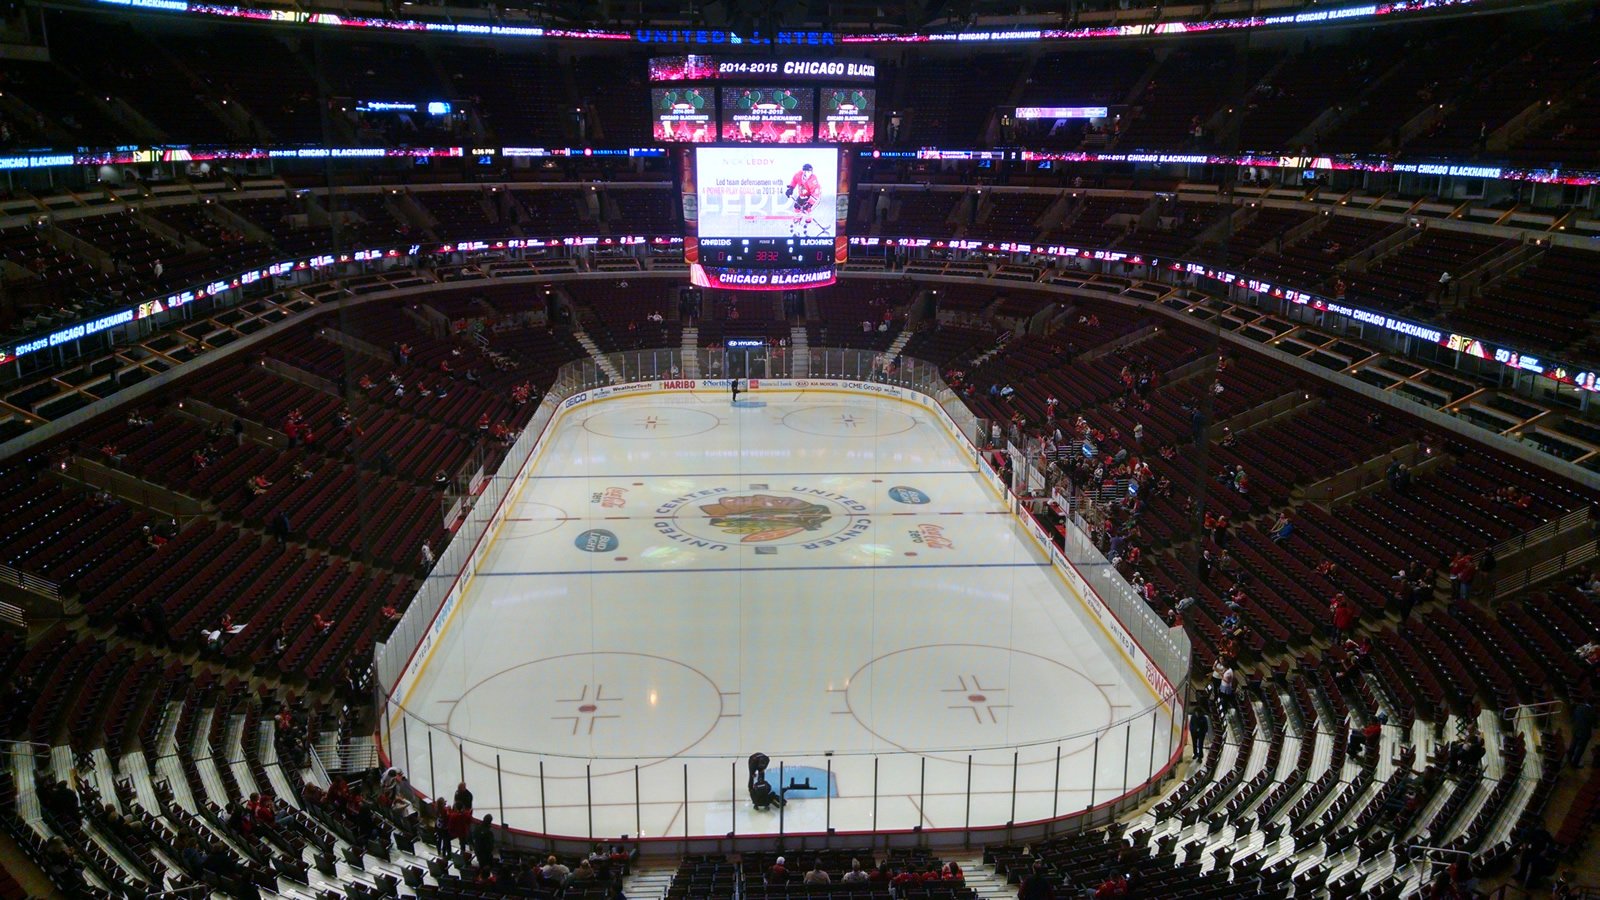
(759, 569)
(768, 475)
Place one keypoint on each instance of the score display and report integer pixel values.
(765, 218)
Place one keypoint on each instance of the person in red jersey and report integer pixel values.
(804, 189)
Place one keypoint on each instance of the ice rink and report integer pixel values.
(820, 576)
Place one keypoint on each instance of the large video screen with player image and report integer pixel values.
(767, 207)
(767, 192)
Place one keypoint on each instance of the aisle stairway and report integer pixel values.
(799, 352)
(599, 358)
(650, 879)
(983, 880)
(691, 351)
(899, 345)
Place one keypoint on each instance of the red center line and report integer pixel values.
(852, 515)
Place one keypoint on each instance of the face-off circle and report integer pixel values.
(978, 695)
(849, 421)
(582, 704)
(664, 422)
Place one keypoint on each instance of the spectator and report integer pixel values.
(483, 840)
(582, 875)
(1344, 615)
(779, 873)
(1583, 722)
(391, 782)
(856, 875)
(427, 557)
(1227, 688)
(1037, 886)
(1462, 570)
(1486, 569)
(1281, 528)
(1367, 736)
(1114, 886)
(816, 875)
(460, 823)
(463, 797)
(1199, 728)
(554, 871)
(1531, 842)
(442, 827)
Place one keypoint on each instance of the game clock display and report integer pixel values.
(767, 252)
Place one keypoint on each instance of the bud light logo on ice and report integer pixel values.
(902, 494)
(766, 192)
(597, 540)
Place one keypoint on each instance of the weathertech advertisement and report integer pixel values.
(682, 114)
(768, 115)
(847, 115)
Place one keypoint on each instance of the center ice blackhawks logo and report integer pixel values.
(760, 518)
(763, 518)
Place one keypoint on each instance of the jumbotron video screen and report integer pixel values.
(768, 115)
(765, 218)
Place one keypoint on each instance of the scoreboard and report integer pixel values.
(761, 100)
(763, 217)
(766, 204)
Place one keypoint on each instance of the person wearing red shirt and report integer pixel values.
(804, 190)
(779, 873)
(1344, 614)
(459, 825)
(1462, 569)
(1113, 886)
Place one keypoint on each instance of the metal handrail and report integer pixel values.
(30, 582)
(1544, 708)
(178, 892)
(12, 615)
(1548, 530)
(1432, 849)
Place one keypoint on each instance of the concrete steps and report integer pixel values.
(983, 880)
(691, 351)
(600, 359)
(649, 880)
(799, 352)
